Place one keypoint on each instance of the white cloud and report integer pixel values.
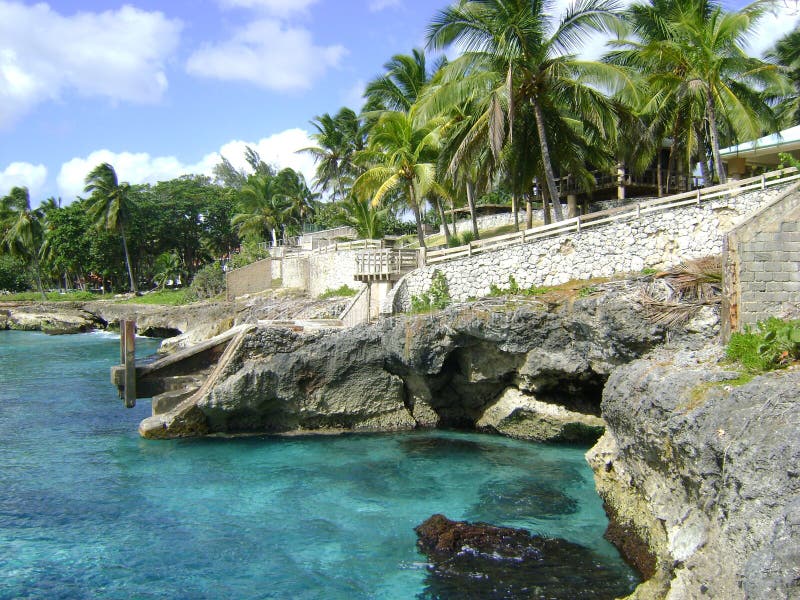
(117, 54)
(269, 54)
(278, 149)
(22, 174)
(353, 97)
(280, 8)
(379, 5)
(772, 27)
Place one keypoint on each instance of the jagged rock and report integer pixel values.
(443, 369)
(52, 318)
(519, 415)
(477, 560)
(706, 475)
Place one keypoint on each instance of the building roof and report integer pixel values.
(767, 146)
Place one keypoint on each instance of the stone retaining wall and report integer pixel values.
(318, 272)
(762, 265)
(253, 278)
(655, 240)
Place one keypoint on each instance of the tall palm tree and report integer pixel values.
(110, 207)
(338, 138)
(260, 210)
(402, 83)
(786, 54)
(402, 159)
(517, 55)
(23, 230)
(696, 70)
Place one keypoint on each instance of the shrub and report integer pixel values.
(208, 282)
(771, 345)
(340, 292)
(248, 254)
(437, 297)
(13, 275)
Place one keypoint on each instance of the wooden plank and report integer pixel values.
(130, 364)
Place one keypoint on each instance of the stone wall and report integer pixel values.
(762, 264)
(655, 240)
(319, 272)
(253, 278)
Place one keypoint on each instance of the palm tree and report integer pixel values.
(368, 220)
(110, 207)
(23, 230)
(786, 54)
(338, 139)
(402, 157)
(403, 82)
(263, 204)
(516, 56)
(696, 71)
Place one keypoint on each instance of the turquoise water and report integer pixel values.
(90, 510)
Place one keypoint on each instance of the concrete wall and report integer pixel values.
(654, 240)
(319, 272)
(762, 265)
(255, 277)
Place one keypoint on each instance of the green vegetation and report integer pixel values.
(74, 296)
(340, 292)
(513, 289)
(208, 282)
(437, 297)
(499, 123)
(772, 344)
(163, 298)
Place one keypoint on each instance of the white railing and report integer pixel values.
(386, 262)
(577, 224)
(354, 245)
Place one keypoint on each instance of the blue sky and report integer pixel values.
(161, 88)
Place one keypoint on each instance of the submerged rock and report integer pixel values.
(477, 560)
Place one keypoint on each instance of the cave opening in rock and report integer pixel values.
(159, 332)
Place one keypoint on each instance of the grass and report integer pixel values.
(76, 296)
(344, 291)
(162, 298)
(772, 344)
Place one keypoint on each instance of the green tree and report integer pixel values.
(517, 55)
(23, 230)
(402, 159)
(786, 54)
(110, 208)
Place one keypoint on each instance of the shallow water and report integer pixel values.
(90, 510)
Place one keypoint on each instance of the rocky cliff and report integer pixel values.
(515, 367)
(701, 476)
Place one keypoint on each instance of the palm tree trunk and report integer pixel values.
(701, 153)
(712, 126)
(515, 210)
(417, 217)
(443, 217)
(471, 204)
(128, 259)
(38, 275)
(548, 166)
(528, 210)
(546, 215)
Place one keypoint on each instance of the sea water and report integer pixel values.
(90, 510)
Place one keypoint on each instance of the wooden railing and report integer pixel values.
(354, 245)
(577, 224)
(385, 263)
(605, 180)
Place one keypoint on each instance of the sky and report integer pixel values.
(164, 88)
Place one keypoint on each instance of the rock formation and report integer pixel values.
(701, 478)
(476, 560)
(514, 367)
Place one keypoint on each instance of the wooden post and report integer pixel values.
(128, 348)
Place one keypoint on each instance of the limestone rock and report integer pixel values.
(707, 473)
(52, 318)
(522, 416)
